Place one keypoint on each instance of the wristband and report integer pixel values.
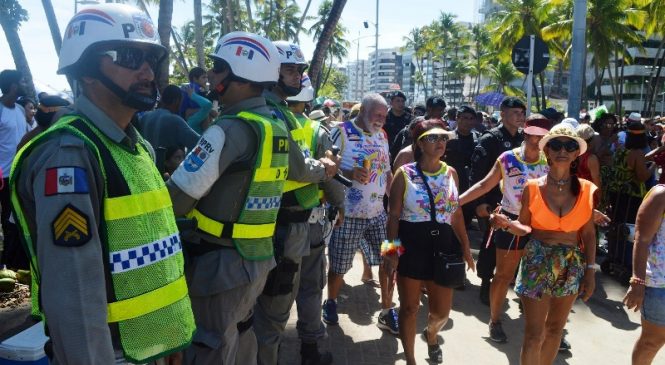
(392, 247)
(635, 280)
(593, 267)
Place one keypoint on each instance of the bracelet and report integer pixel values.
(392, 247)
(635, 280)
(593, 267)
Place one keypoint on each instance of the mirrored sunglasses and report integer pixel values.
(434, 138)
(133, 58)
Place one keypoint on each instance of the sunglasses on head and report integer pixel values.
(570, 146)
(434, 138)
(133, 58)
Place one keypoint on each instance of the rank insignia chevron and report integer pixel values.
(71, 227)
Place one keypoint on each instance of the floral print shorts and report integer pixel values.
(554, 270)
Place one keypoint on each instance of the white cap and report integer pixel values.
(572, 122)
(635, 117)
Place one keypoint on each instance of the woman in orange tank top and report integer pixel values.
(559, 259)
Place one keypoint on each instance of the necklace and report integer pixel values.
(560, 183)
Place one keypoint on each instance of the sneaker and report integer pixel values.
(485, 292)
(434, 351)
(496, 333)
(564, 345)
(388, 321)
(330, 312)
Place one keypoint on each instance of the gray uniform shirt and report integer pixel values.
(218, 187)
(332, 189)
(73, 286)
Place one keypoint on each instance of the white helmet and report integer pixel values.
(251, 57)
(104, 24)
(290, 53)
(306, 90)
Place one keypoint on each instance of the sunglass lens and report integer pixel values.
(571, 146)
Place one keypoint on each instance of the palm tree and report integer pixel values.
(655, 24)
(325, 39)
(612, 27)
(280, 18)
(11, 17)
(302, 19)
(416, 41)
(52, 24)
(479, 64)
(198, 32)
(517, 18)
(501, 75)
(164, 29)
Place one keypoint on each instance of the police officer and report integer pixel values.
(94, 211)
(492, 143)
(460, 148)
(232, 182)
(300, 196)
(313, 267)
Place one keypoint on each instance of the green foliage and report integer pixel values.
(12, 13)
(336, 84)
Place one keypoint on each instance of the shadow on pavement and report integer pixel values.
(361, 303)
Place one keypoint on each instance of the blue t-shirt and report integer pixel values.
(187, 102)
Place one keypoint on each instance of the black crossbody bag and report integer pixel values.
(449, 268)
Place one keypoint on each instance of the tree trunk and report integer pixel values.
(615, 94)
(328, 71)
(182, 61)
(302, 19)
(230, 23)
(250, 20)
(164, 29)
(198, 33)
(657, 64)
(52, 24)
(324, 41)
(21, 62)
(541, 76)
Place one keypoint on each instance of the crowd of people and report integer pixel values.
(181, 225)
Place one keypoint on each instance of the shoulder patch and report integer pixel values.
(71, 228)
(66, 180)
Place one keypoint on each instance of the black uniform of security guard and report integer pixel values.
(492, 143)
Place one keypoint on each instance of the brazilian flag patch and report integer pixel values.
(71, 227)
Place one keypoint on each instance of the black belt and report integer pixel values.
(203, 247)
(285, 217)
(509, 215)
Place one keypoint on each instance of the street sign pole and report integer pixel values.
(529, 77)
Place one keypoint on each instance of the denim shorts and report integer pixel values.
(653, 308)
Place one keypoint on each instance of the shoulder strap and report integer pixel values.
(432, 210)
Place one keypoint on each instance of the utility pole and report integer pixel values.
(575, 85)
(376, 48)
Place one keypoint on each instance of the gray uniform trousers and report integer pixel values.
(221, 313)
(312, 280)
(272, 312)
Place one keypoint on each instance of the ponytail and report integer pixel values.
(575, 185)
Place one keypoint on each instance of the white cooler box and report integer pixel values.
(25, 348)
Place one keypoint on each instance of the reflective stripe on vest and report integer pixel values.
(252, 232)
(306, 193)
(141, 245)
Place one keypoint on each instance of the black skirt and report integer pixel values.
(419, 241)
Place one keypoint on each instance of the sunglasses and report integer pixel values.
(434, 138)
(133, 58)
(570, 146)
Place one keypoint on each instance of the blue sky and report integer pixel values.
(396, 18)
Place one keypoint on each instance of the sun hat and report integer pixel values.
(437, 130)
(585, 131)
(317, 115)
(562, 130)
(537, 125)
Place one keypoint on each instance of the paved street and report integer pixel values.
(600, 331)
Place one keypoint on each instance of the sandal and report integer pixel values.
(434, 351)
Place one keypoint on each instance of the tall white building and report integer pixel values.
(357, 73)
(636, 78)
